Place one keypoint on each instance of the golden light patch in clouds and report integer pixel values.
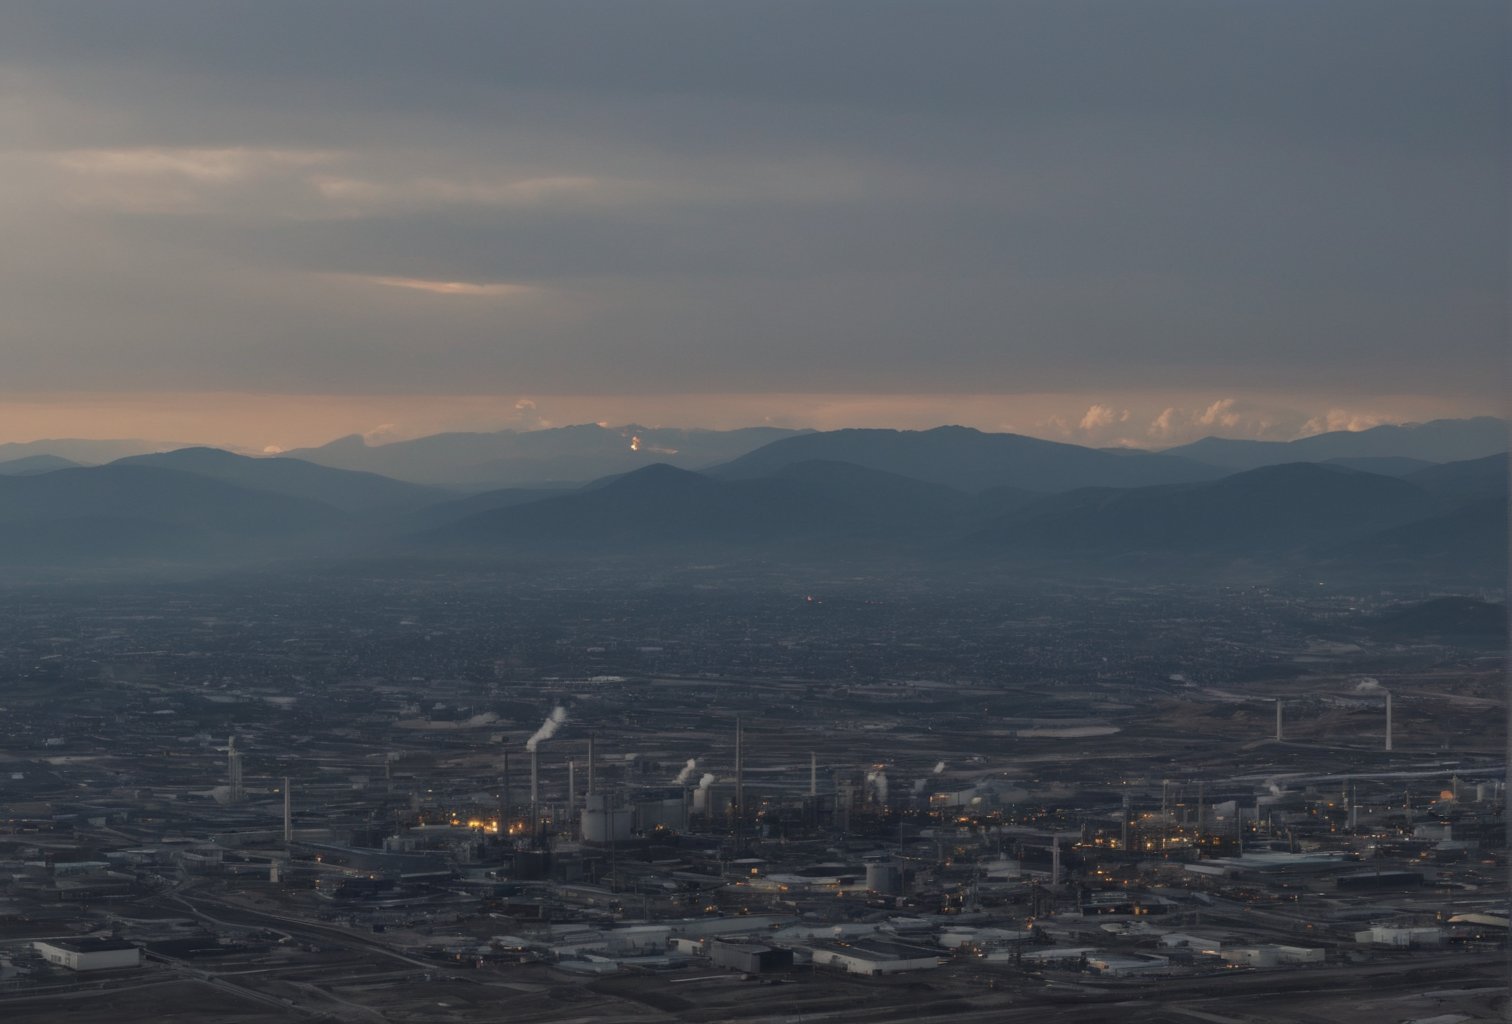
(225, 164)
(174, 179)
(505, 192)
(492, 288)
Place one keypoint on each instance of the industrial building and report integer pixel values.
(89, 954)
(751, 958)
(876, 956)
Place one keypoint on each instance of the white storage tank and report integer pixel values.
(604, 823)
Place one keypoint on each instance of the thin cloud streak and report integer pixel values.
(494, 289)
(1015, 199)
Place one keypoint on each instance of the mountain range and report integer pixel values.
(344, 489)
(947, 494)
(573, 454)
(1434, 441)
(971, 460)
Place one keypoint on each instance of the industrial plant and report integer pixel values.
(869, 803)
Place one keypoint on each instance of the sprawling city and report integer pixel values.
(755, 512)
(750, 793)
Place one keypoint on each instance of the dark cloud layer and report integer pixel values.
(622, 197)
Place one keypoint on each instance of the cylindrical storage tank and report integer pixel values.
(604, 823)
(606, 826)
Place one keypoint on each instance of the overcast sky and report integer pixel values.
(1064, 218)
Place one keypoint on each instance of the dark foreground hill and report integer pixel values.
(1453, 617)
(1465, 481)
(662, 507)
(79, 516)
(1282, 518)
(1468, 541)
(1270, 511)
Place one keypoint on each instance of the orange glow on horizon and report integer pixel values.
(267, 422)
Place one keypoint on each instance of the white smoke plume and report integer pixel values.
(686, 774)
(918, 786)
(1367, 684)
(548, 729)
(706, 781)
(940, 767)
(878, 781)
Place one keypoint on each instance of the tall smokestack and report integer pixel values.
(1123, 839)
(506, 799)
(233, 771)
(1388, 719)
(288, 813)
(813, 774)
(1279, 706)
(571, 791)
(1055, 858)
(1165, 804)
(592, 765)
(535, 789)
(739, 778)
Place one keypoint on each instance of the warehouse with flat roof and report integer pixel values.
(89, 954)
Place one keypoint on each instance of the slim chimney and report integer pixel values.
(1279, 706)
(592, 765)
(233, 771)
(288, 813)
(739, 776)
(1165, 810)
(535, 790)
(506, 799)
(571, 791)
(813, 774)
(1123, 840)
(1388, 719)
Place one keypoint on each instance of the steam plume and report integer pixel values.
(687, 772)
(548, 729)
(940, 767)
(706, 781)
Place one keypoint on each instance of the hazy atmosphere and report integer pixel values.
(649, 512)
(269, 224)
